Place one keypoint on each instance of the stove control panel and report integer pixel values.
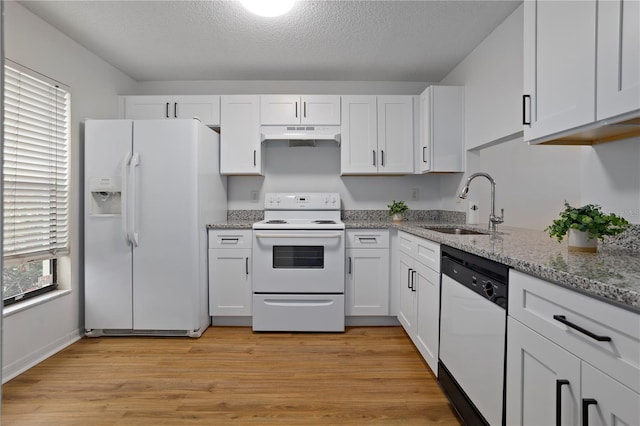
(302, 201)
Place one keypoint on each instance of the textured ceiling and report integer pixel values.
(317, 40)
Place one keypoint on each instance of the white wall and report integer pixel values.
(492, 78)
(611, 177)
(318, 169)
(33, 334)
(532, 181)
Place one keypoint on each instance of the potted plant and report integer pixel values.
(397, 209)
(585, 225)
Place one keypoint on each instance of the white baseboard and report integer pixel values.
(34, 358)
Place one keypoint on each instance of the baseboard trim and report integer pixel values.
(36, 357)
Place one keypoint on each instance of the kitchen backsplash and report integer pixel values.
(415, 215)
(629, 239)
(444, 216)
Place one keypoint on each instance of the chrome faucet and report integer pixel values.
(493, 219)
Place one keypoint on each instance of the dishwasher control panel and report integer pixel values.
(484, 277)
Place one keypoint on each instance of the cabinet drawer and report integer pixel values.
(367, 238)
(535, 302)
(229, 238)
(424, 251)
(407, 243)
(428, 253)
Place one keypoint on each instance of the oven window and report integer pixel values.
(298, 257)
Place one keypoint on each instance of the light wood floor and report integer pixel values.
(368, 375)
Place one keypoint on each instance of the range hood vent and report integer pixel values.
(312, 134)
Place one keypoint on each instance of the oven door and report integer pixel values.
(287, 261)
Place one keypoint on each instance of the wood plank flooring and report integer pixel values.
(368, 375)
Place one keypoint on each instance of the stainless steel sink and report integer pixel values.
(452, 230)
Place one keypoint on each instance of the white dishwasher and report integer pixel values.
(473, 316)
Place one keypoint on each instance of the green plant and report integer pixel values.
(397, 207)
(588, 218)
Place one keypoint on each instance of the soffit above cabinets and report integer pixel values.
(317, 40)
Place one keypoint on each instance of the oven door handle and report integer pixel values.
(258, 235)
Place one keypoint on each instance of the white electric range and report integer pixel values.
(298, 264)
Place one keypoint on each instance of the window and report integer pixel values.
(36, 181)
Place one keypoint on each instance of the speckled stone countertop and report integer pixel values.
(612, 274)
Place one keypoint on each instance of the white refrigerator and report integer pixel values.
(150, 189)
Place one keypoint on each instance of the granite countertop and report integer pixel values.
(612, 274)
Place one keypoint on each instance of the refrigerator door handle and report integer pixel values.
(124, 197)
(133, 234)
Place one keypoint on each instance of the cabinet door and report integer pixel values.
(395, 134)
(359, 134)
(320, 109)
(607, 402)
(147, 107)
(280, 109)
(408, 300)
(447, 129)
(618, 58)
(367, 282)
(541, 376)
(423, 153)
(428, 314)
(206, 108)
(240, 151)
(230, 282)
(559, 65)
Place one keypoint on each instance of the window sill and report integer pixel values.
(30, 303)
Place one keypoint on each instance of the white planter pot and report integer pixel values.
(580, 241)
(396, 217)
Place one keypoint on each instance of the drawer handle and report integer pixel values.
(229, 240)
(563, 319)
(559, 384)
(586, 402)
(367, 239)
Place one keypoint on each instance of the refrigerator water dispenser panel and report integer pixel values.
(106, 195)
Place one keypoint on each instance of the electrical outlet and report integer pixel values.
(254, 196)
(415, 194)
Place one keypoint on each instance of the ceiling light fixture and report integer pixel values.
(268, 8)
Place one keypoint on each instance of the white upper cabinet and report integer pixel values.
(359, 135)
(294, 109)
(618, 72)
(204, 107)
(377, 135)
(441, 147)
(240, 148)
(559, 66)
(395, 134)
(581, 70)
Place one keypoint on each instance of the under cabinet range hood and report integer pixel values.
(300, 135)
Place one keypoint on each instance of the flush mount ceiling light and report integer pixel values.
(268, 8)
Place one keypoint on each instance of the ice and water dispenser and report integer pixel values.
(106, 195)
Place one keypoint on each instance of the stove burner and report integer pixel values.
(276, 221)
(324, 222)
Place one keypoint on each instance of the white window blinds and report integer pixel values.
(36, 166)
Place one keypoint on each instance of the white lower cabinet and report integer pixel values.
(230, 273)
(367, 272)
(571, 359)
(540, 376)
(419, 310)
